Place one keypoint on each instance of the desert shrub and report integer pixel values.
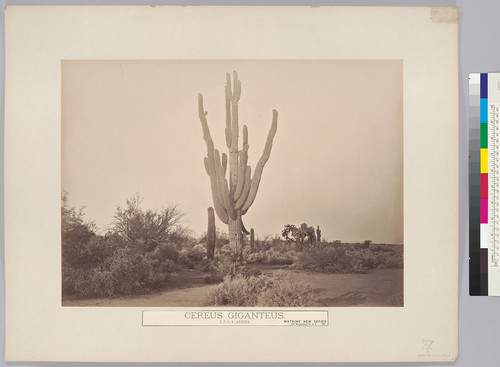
(236, 291)
(393, 261)
(350, 258)
(197, 253)
(110, 268)
(282, 255)
(225, 267)
(221, 268)
(164, 252)
(186, 261)
(262, 290)
(224, 251)
(325, 259)
(274, 257)
(136, 255)
(256, 258)
(250, 272)
(207, 265)
(284, 292)
(189, 256)
(124, 273)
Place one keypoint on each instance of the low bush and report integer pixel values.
(221, 268)
(350, 258)
(262, 290)
(272, 256)
(123, 273)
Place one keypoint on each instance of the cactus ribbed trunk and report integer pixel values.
(236, 238)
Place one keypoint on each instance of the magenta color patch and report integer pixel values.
(484, 210)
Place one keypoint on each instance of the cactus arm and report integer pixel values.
(223, 189)
(219, 177)
(246, 189)
(237, 86)
(224, 163)
(217, 200)
(229, 91)
(205, 162)
(233, 151)
(245, 135)
(223, 185)
(262, 162)
(243, 229)
(241, 172)
(229, 97)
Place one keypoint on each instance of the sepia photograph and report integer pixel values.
(257, 177)
(238, 183)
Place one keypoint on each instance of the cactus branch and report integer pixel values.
(246, 189)
(224, 163)
(205, 162)
(243, 160)
(223, 190)
(245, 135)
(243, 229)
(219, 209)
(229, 97)
(233, 151)
(262, 162)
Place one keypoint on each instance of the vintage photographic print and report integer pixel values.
(200, 183)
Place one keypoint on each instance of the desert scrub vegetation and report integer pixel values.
(273, 257)
(138, 253)
(350, 258)
(223, 267)
(277, 290)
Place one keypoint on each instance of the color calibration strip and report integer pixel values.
(484, 188)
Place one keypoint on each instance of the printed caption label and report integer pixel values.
(234, 318)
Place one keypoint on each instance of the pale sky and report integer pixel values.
(337, 159)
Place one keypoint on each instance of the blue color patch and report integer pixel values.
(484, 85)
(484, 111)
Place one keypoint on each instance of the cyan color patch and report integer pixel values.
(484, 111)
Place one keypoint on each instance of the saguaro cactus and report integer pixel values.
(252, 240)
(318, 235)
(211, 234)
(232, 198)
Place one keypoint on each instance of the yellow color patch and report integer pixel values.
(484, 160)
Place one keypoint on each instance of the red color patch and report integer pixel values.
(484, 185)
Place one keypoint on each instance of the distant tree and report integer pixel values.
(366, 244)
(290, 233)
(301, 235)
(76, 233)
(148, 229)
(307, 233)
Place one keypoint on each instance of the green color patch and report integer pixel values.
(484, 135)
